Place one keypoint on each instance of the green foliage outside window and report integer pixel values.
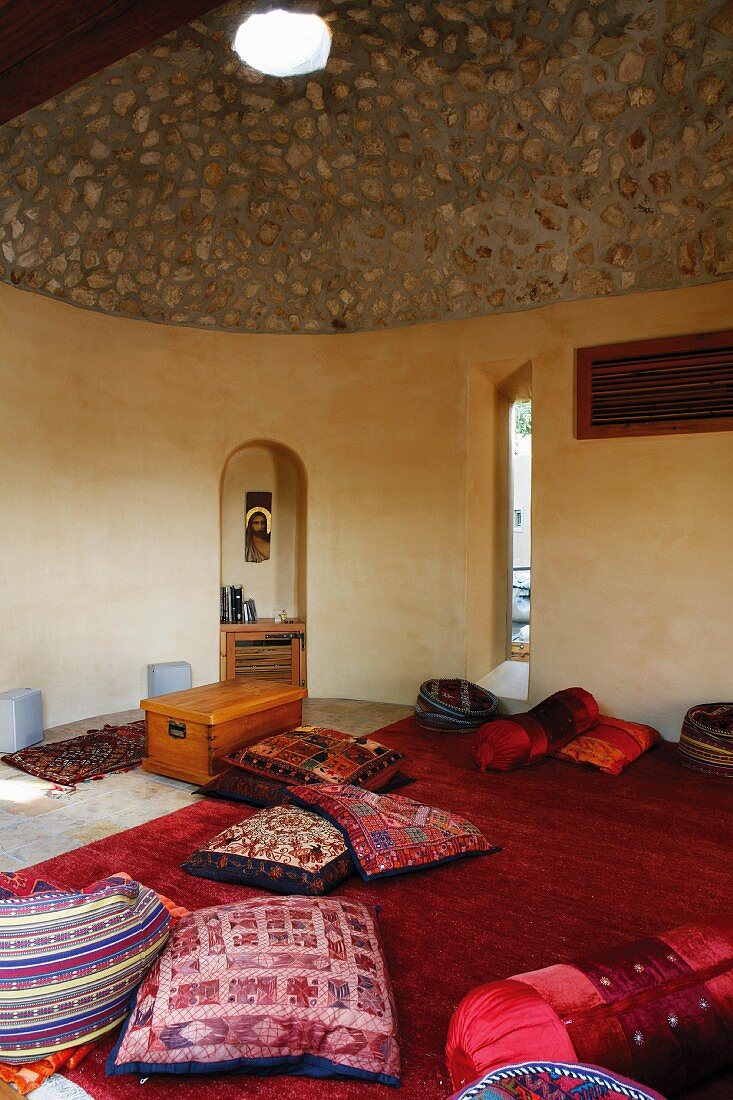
(523, 418)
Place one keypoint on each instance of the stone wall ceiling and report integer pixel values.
(454, 159)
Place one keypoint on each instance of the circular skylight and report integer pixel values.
(283, 43)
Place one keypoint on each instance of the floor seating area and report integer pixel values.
(588, 862)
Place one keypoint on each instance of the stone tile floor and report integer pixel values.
(39, 821)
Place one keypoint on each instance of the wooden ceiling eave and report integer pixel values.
(48, 46)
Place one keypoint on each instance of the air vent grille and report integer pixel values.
(684, 384)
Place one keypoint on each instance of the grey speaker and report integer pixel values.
(167, 677)
(21, 719)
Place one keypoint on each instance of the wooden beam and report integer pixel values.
(50, 45)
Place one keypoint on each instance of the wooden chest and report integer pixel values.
(189, 731)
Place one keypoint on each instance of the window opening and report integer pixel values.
(521, 458)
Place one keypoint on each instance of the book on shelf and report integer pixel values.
(233, 607)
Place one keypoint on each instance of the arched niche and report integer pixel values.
(264, 465)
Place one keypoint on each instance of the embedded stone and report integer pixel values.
(722, 20)
(630, 68)
(583, 25)
(688, 259)
(605, 106)
(591, 282)
(674, 74)
(27, 178)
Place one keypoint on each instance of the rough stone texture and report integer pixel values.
(452, 160)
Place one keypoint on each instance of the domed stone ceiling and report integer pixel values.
(453, 159)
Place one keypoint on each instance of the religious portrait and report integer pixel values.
(257, 526)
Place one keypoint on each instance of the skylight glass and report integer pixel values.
(283, 43)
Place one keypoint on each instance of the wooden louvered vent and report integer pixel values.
(682, 384)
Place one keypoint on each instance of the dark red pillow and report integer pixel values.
(508, 743)
(659, 1010)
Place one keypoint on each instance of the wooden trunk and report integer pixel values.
(189, 731)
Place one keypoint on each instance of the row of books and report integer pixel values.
(234, 607)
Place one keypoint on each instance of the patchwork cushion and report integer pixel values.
(236, 785)
(268, 986)
(24, 884)
(540, 1080)
(659, 1010)
(508, 743)
(388, 834)
(312, 754)
(283, 848)
(611, 745)
(69, 962)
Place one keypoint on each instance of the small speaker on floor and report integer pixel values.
(21, 719)
(167, 677)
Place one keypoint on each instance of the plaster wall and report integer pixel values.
(114, 434)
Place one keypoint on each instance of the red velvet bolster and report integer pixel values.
(509, 743)
(502, 1023)
(659, 1011)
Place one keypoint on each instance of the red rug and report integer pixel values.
(94, 754)
(589, 861)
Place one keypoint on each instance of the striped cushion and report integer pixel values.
(70, 962)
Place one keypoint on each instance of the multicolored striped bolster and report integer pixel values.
(70, 962)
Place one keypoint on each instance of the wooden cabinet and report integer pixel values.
(188, 732)
(264, 650)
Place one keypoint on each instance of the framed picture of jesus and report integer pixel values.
(257, 526)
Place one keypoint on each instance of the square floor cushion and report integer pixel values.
(267, 986)
(388, 834)
(284, 848)
(611, 745)
(237, 785)
(69, 962)
(312, 754)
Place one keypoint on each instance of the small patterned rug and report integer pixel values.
(91, 756)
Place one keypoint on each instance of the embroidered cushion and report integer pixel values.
(659, 1010)
(508, 743)
(388, 834)
(312, 754)
(24, 884)
(611, 745)
(267, 986)
(283, 848)
(540, 1080)
(69, 962)
(237, 785)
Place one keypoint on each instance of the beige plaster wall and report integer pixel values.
(271, 583)
(487, 538)
(114, 435)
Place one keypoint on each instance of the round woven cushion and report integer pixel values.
(560, 1080)
(454, 705)
(706, 741)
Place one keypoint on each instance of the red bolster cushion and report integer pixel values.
(509, 743)
(659, 1010)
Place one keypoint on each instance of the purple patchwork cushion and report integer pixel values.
(267, 986)
(388, 834)
(283, 848)
(240, 786)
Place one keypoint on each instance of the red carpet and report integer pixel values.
(589, 861)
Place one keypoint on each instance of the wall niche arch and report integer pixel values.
(265, 465)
